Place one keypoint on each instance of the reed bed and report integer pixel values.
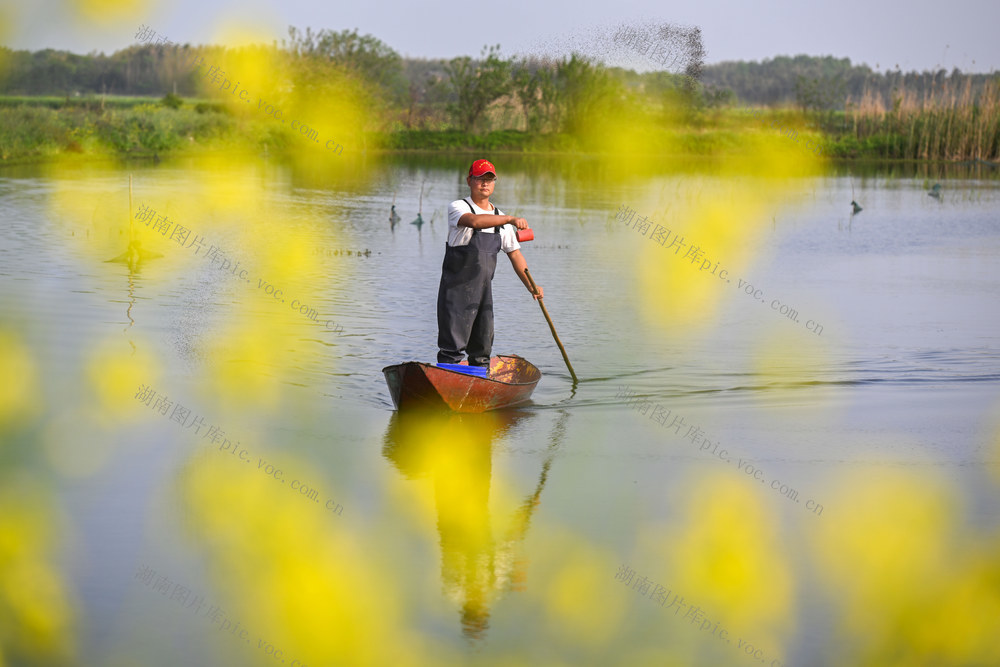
(949, 123)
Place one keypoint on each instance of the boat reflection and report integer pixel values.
(479, 564)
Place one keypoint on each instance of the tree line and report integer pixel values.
(488, 92)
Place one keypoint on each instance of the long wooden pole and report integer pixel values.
(552, 327)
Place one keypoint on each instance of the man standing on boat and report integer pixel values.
(477, 231)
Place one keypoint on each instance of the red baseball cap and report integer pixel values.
(480, 167)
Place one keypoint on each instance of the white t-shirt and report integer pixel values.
(458, 236)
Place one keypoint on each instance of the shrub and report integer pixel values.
(171, 101)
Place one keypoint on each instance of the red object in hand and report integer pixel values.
(525, 235)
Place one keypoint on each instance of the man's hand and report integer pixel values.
(521, 267)
(520, 223)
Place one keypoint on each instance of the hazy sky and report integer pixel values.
(917, 34)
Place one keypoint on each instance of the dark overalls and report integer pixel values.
(465, 298)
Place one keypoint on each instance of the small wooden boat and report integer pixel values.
(510, 381)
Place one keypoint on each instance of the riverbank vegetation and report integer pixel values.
(950, 123)
(359, 93)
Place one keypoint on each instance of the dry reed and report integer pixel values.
(947, 123)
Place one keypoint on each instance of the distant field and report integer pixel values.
(88, 102)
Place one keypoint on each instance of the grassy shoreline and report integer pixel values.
(48, 128)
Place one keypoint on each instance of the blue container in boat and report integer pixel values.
(478, 371)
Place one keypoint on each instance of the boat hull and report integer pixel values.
(416, 385)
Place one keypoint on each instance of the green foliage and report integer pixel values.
(136, 70)
(825, 83)
(718, 98)
(813, 94)
(954, 125)
(586, 94)
(476, 85)
(365, 56)
(572, 104)
(52, 102)
(427, 95)
(820, 96)
(31, 132)
(171, 101)
(534, 84)
(510, 140)
(39, 132)
(152, 70)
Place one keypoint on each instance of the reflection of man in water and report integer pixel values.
(462, 497)
(456, 451)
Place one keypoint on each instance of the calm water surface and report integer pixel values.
(708, 428)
